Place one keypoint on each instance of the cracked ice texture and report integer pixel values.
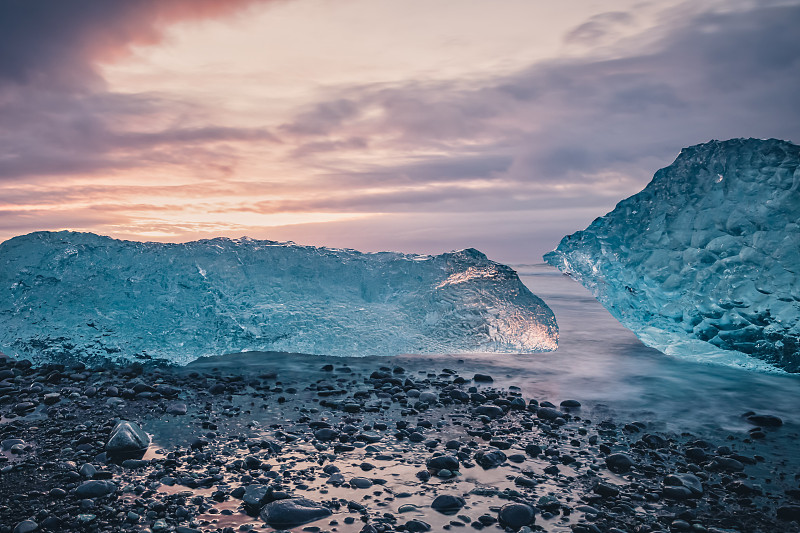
(84, 296)
(708, 252)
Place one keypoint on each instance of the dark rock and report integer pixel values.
(448, 504)
(490, 459)
(492, 411)
(697, 455)
(177, 408)
(447, 462)
(360, 483)
(653, 441)
(26, 526)
(619, 463)
(416, 526)
(253, 497)
(688, 481)
(516, 515)
(292, 512)
(482, 378)
(570, 404)
(548, 413)
(95, 489)
(127, 439)
(726, 464)
(765, 420)
(326, 434)
(789, 512)
(533, 450)
(606, 491)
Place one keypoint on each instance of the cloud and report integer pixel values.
(598, 28)
(59, 118)
(59, 43)
(601, 122)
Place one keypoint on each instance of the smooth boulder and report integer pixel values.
(292, 512)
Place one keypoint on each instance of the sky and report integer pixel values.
(417, 125)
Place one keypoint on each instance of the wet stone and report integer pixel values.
(127, 438)
(448, 504)
(516, 515)
(292, 512)
(446, 462)
(619, 463)
(95, 489)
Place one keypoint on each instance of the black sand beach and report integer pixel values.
(371, 444)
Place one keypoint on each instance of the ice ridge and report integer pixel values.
(85, 296)
(705, 260)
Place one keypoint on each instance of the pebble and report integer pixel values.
(292, 512)
(516, 515)
(619, 463)
(448, 504)
(95, 489)
(127, 438)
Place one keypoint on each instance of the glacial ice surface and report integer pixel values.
(84, 296)
(704, 262)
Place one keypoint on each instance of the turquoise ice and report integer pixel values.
(90, 297)
(704, 262)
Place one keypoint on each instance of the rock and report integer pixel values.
(326, 434)
(127, 439)
(51, 398)
(516, 515)
(253, 498)
(726, 464)
(177, 408)
(7, 444)
(789, 512)
(26, 526)
(492, 411)
(448, 504)
(482, 378)
(490, 459)
(606, 491)
(533, 450)
(619, 463)
(765, 420)
(570, 404)
(688, 481)
(134, 463)
(548, 413)
(653, 441)
(676, 493)
(360, 483)
(292, 512)
(416, 526)
(696, 455)
(440, 462)
(428, 397)
(95, 489)
(87, 471)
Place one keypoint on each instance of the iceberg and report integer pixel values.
(704, 262)
(68, 295)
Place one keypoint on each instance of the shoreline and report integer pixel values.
(219, 426)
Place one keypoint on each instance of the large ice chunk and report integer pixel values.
(708, 252)
(87, 296)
